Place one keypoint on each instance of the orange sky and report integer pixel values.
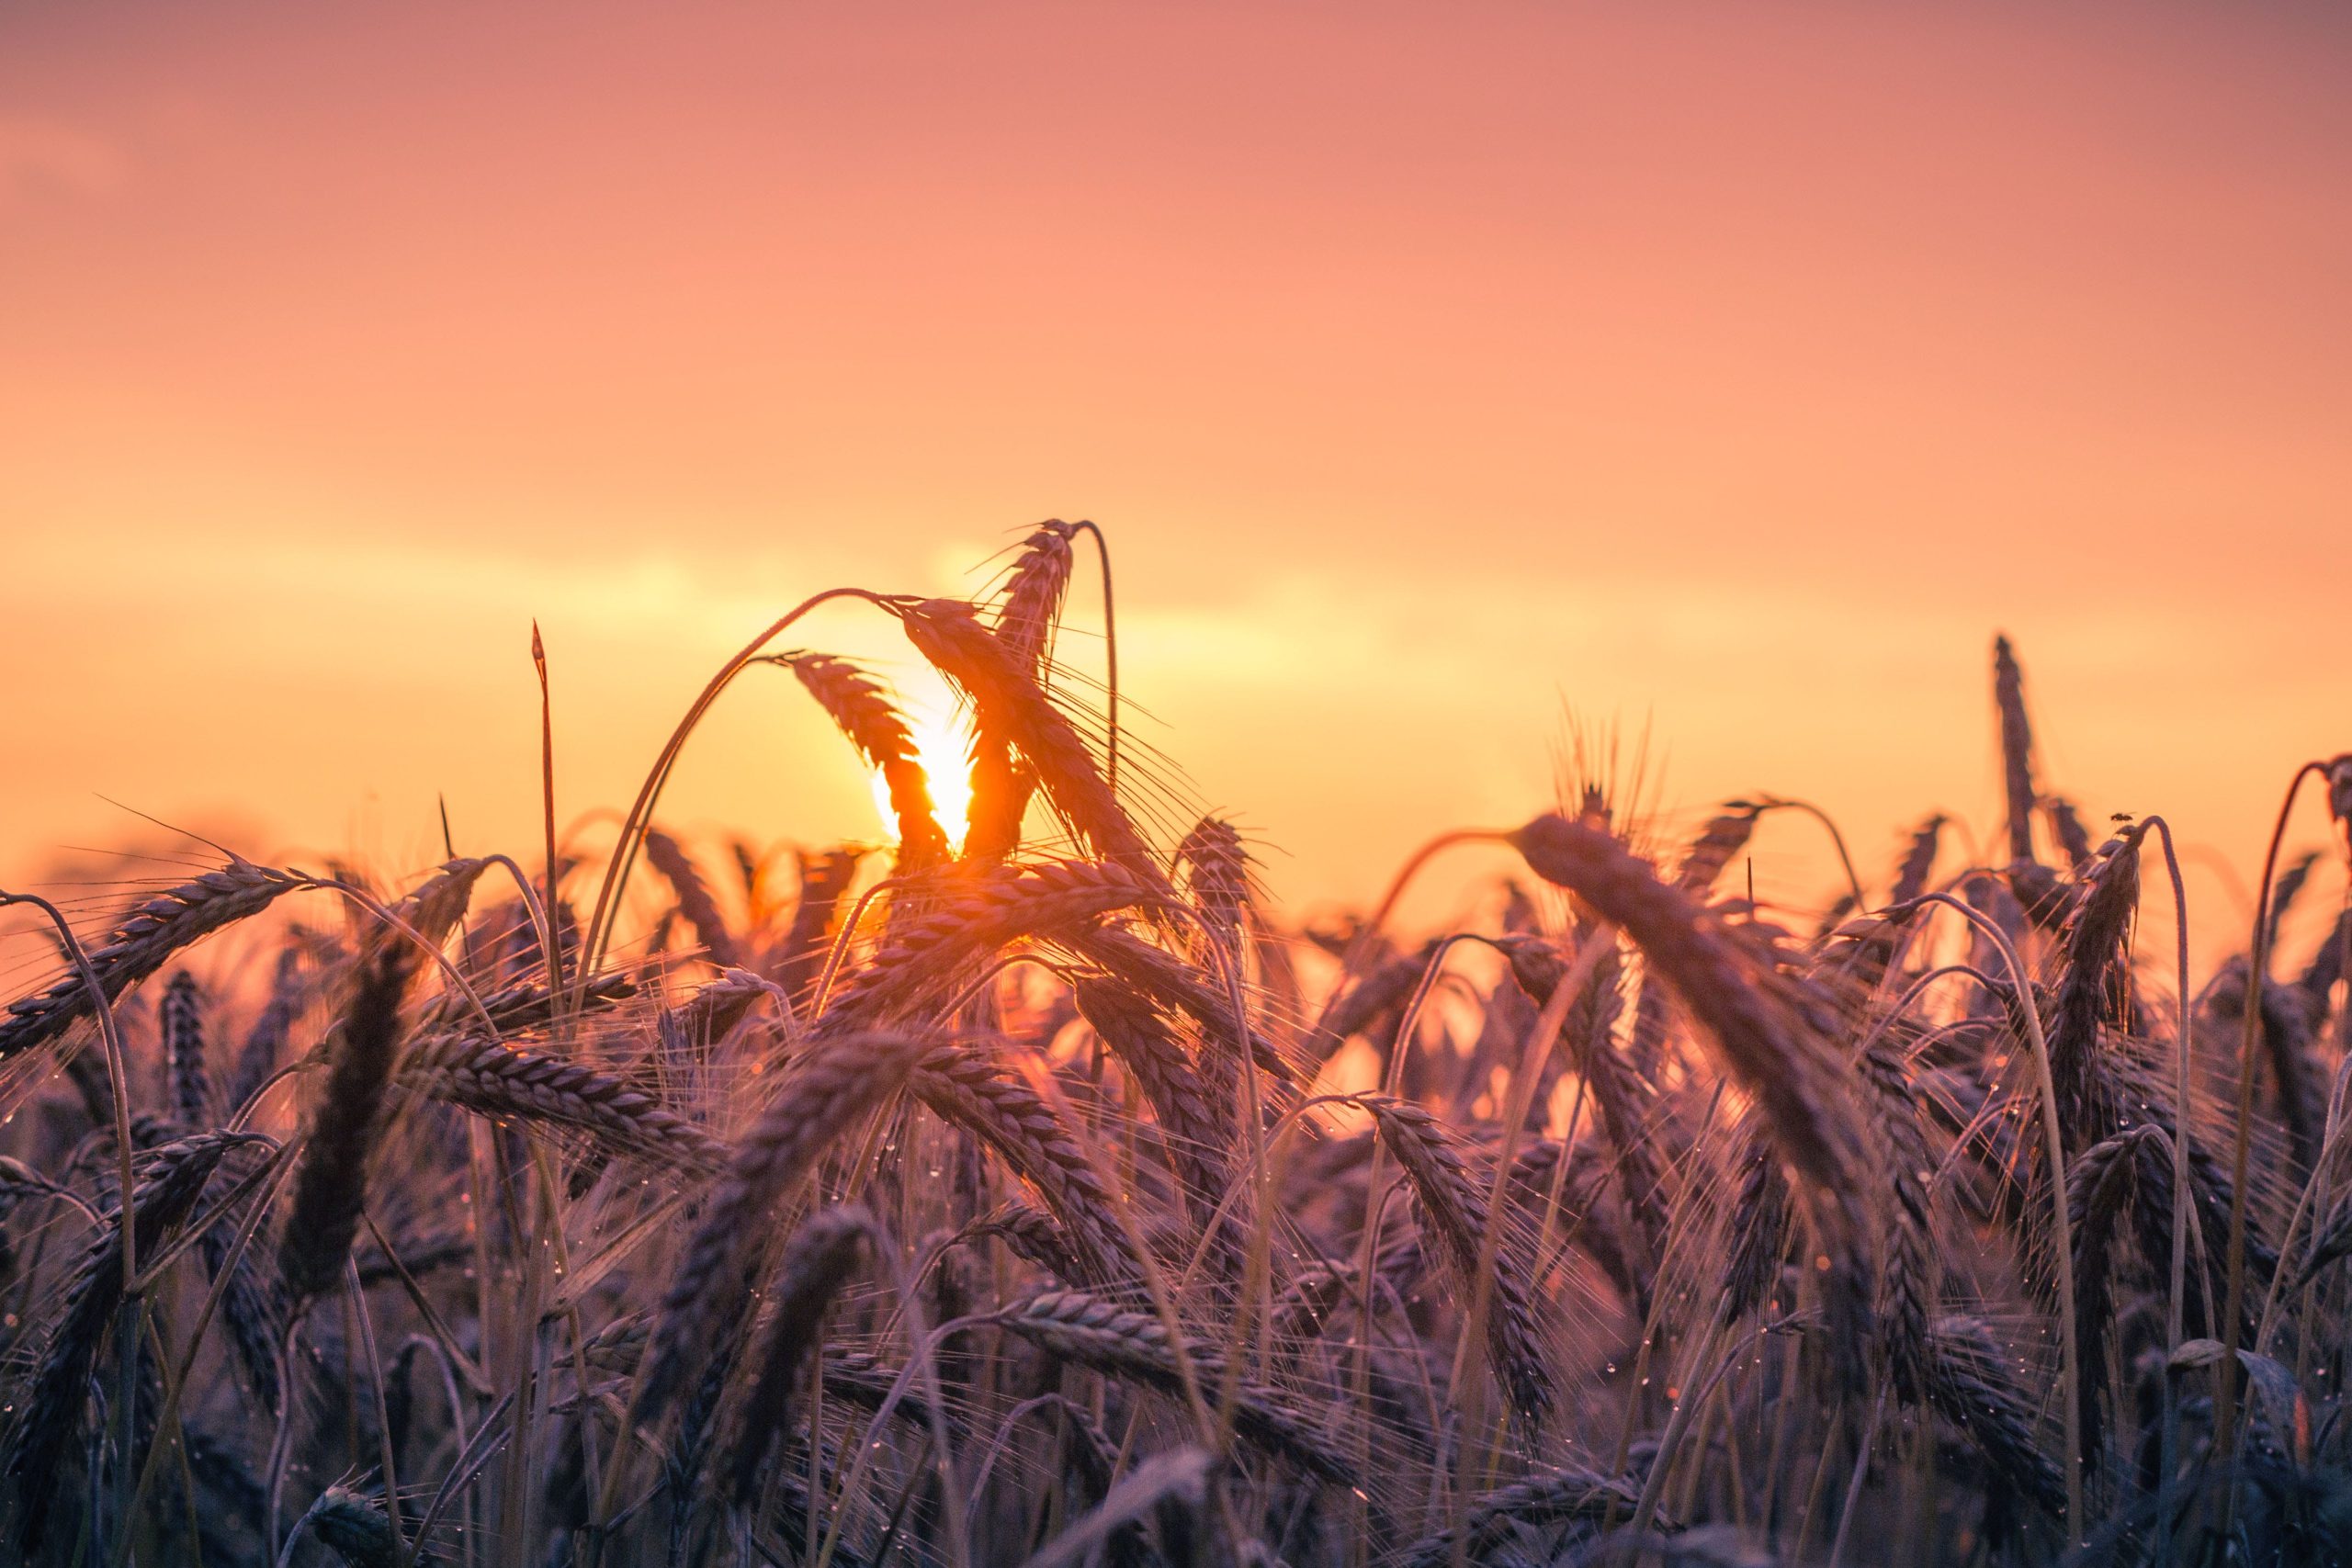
(1738, 369)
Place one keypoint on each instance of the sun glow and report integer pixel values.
(943, 736)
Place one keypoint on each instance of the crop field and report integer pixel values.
(1025, 1189)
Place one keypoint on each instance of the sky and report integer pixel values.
(1443, 377)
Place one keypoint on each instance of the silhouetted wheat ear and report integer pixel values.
(694, 901)
(1617, 1090)
(1009, 700)
(2102, 1185)
(1970, 1386)
(1918, 860)
(143, 943)
(824, 878)
(1156, 1063)
(512, 1082)
(1907, 1287)
(1758, 1227)
(858, 705)
(818, 1262)
(2330, 1242)
(173, 1178)
(836, 1081)
(1216, 871)
(2326, 967)
(1105, 1337)
(1561, 1496)
(966, 1089)
(1724, 836)
(352, 1526)
(181, 1020)
(1456, 1205)
(967, 917)
(434, 906)
(2285, 1028)
(1027, 612)
(1030, 606)
(2017, 748)
(1772, 1047)
(1034, 1237)
(2095, 988)
(2067, 827)
(330, 1182)
(266, 1040)
(1175, 986)
(712, 1013)
(251, 1311)
(1373, 999)
(523, 1005)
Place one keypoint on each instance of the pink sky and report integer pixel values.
(1737, 371)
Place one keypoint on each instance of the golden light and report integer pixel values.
(942, 737)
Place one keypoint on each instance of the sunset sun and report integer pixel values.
(942, 740)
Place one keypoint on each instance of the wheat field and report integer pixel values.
(1025, 1189)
